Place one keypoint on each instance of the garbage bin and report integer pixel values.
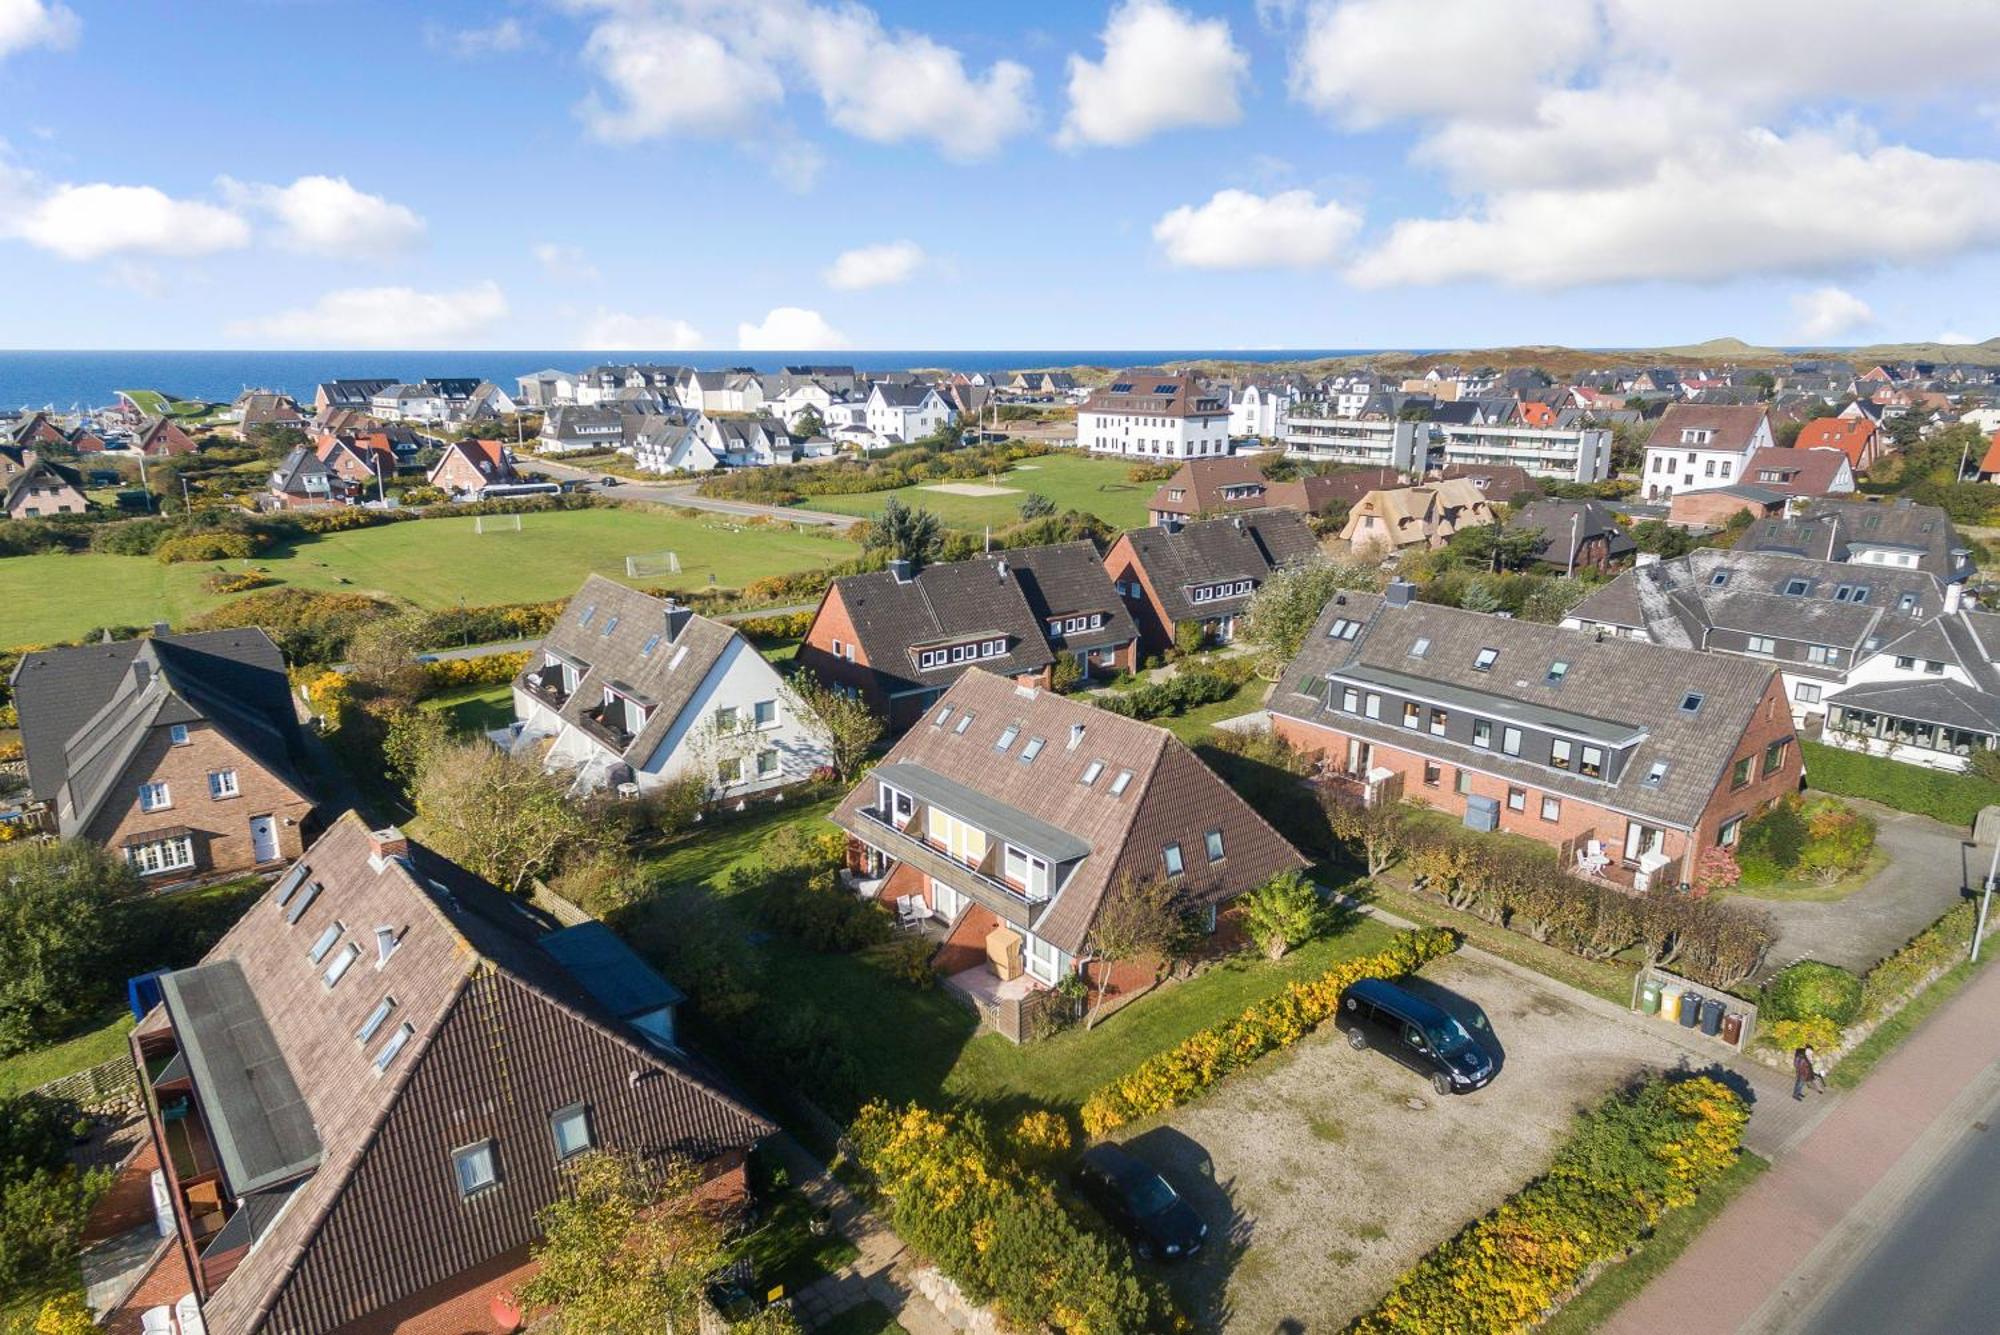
(1670, 1002)
(1649, 997)
(1690, 1009)
(1732, 1028)
(1711, 1017)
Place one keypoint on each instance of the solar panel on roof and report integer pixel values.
(1122, 387)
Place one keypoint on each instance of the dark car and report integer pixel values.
(1140, 1203)
(609, 481)
(1420, 1034)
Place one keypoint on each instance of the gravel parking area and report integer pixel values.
(1326, 1172)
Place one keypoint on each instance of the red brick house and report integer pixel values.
(180, 751)
(1203, 573)
(358, 461)
(1011, 812)
(468, 467)
(364, 1095)
(159, 438)
(898, 638)
(1860, 439)
(1629, 758)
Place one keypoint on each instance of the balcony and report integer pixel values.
(1009, 903)
(607, 724)
(549, 687)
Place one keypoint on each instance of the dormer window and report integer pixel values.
(386, 941)
(177, 734)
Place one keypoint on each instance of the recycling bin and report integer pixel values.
(1711, 1017)
(1732, 1029)
(1649, 997)
(1670, 1002)
(1690, 1009)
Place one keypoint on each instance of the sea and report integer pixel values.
(66, 380)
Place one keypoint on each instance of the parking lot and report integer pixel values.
(1325, 1172)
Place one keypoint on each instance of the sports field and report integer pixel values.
(432, 562)
(1072, 481)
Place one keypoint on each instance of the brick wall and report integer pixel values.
(1156, 632)
(832, 622)
(1772, 723)
(221, 825)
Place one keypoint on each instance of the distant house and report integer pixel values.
(1013, 814)
(423, 402)
(1203, 573)
(747, 442)
(1500, 484)
(571, 428)
(362, 461)
(906, 412)
(468, 467)
(37, 428)
(1989, 462)
(1715, 507)
(1576, 535)
(365, 1098)
(1230, 484)
(1899, 534)
(352, 395)
(1860, 439)
(261, 408)
(1422, 516)
(545, 389)
(180, 752)
(159, 438)
(1258, 409)
(713, 392)
(898, 638)
(628, 689)
(32, 487)
(1153, 414)
(303, 481)
(1696, 446)
(671, 443)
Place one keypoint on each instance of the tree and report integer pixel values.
(630, 1247)
(1497, 547)
(383, 655)
(1379, 829)
(412, 736)
(1036, 506)
(1285, 607)
(906, 534)
(1283, 912)
(808, 423)
(63, 911)
(499, 817)
(846, 727)
(1138, 917)
(1662, 539)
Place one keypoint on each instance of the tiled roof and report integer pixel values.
(1838, 526)
(1734, 425)
(1068, 579)
(941, 604)
(1566, 526)
(1154, 393)
(1849, 435)
(1805, 470)
(1219, 551)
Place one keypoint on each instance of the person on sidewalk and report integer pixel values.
(1818, 1071)
(1802, 1073)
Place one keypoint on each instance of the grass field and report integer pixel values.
(434, 563)
(1072, 481)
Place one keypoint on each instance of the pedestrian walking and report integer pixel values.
(1802, 1073)
(1818, 1071)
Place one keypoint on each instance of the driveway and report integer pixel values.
(1326, 1172)
(1929, 869)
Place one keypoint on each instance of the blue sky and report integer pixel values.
(657, 174)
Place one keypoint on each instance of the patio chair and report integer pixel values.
(187, 1314)
(920, 912)
(906, 911)
(1593, 858)
(157, 1321)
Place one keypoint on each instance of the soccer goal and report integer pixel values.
(496, 523)
(652, 565)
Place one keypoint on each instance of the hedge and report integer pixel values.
(451, 674)
(785, 626)
(1629, 1161)
(1171, 1078)
(1189, 688)
(1943, 943)
(1952, 798)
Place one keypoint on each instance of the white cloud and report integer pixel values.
(1238, 230)
(789, 329)
(1372, 61)
(1162, 69)
(616, 331)
(382, 317)
(325, 215)
(1953, 336)
(713, 67)
(26, 23)
(1753, 202)
(565, 263)
(875, 266)
(1829, 312)
(505, 37)
(87, 222)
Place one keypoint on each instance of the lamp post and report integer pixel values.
(1986, 900)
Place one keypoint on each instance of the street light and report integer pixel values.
(1986, 900)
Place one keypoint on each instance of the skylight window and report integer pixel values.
(964, 722)
(1121, 783)
(1718, 579)
(404, 1033)
(588, 613)
(1421, 647)
(1090, 773)
(610, 625)
(1007, 736)
(1655, 774)
(1484, 660)
(376, 1019)
(341, 964)
(942, 717)
(325, 942)
(302, 903)
(1557, 671)
(1033, 748)
(680, 656)
(1796, 588)
(288, 887)
(646, 649)
(1343, 628)
(1691, 702)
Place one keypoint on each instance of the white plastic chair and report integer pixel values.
(906, 911)
(1593, 858)
(157, 1321)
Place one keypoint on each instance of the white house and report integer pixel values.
(747, 442)
(1702, 446)
(800, 398)
(721, 391)
(906, 412)
(1152, 414)
(409, 403)
(1259, 410)
(627, 689)
(663, 444)
(545, 389)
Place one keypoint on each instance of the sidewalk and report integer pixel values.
(1744, 1271)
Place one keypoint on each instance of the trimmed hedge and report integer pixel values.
(1176, 1076)
(1190, 688)
(1630, 1160)
(1943, 943)
(452, 674)
(1812, 990)
(1954, 799)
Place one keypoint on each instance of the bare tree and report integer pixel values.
(1380, 830)
(1138, 917)
(497, 816)
(846, 727)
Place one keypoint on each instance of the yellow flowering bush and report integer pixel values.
(1629, 1161)
(1815, 1032)
(1171, 1078)
(1040, 1137)
(450, 674)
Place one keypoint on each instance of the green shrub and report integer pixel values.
(1282, 913)
(1954, 799)
(133, 537)
(1194, 685)
(1811, 989)
(43, 1200)
(906, 959)
(1943, 943)
(1777, 837)
(64, 917)
(215, 546)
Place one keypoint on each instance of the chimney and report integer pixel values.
(1000, 567)
(1171, 524)
(677, 619)
(1400, 593)
(903, 570)
(162, 628)
(1075, 735)
(385, 843)
(1954, 594)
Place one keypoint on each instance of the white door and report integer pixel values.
(263, 839)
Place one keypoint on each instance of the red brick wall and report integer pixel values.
(1712, 509)
(833, 622)
(1772, 723)
(965, 948)
(1156, 631)
(222, 825)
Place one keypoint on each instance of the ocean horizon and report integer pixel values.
(80, 378)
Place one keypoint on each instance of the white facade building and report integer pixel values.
(1154, 415)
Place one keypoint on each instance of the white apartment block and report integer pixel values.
(1319, 432)
(1572, 456)
(1154, 415)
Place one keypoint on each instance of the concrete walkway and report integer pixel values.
(1758, 1265)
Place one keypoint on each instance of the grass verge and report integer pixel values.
(38, 1066)
(1605, 978)
(1855, 1066)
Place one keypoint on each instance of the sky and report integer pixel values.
(666, 175)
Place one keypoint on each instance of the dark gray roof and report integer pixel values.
(942, 604)
(1068, 579)
(1951, 703)
(1566, 526)
(261, 1126)
(1830, 529)
(290, 475)
(1248, 546)
(902, 396)
(610, 970)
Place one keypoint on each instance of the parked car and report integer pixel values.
(1376, 1013)
(1140, 1203)
(609, 481)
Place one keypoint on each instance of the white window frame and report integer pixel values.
(148, 802)
(575, 1114)
(162, 855)
(481, 1157)
(222, 784)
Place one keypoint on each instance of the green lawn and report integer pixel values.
(434, 563)
(476, 709)
(27, 1070)
(1072, 481)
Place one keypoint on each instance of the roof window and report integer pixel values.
(302, 903)
(341, 964)
(1655, 774)
(1121, 783)
(1007, 736)
(1343, 628)
(610, 625)
(1557, 671)
(290, 885)
(964, 722)
(1718, 579)
(325, 942)
(942, 717)
(652, 643)
(1090, 773)
(1797, 588)
(1421, 647)
(1691, 702)
(1484, 660)
(1033, 748)
(588, 613)
(373, 1024)
(404, 1033)
(680, 656)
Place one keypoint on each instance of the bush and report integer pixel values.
(214, 546)
(797, 891)
(1627, 1163)
(1811, 989)
(767, 630)
(1823, 839)
(1937, 947)
(132, 537)
(1816, 1032)
(1955, 799)
(907, 959)
(63, 917)
(310, 627)
(1179, 1074)
(452, 674)
(1194, 685)
(43, 1200)
(1282, 913)
(222, 581)
(1040, 1137)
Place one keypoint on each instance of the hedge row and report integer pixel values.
(1943, 942)
(786, 626)
(1954, 799)
(1177, 1075)
(451, 674)
(1629, 1161)
(1190, 688)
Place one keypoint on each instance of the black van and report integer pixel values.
(1376, 1013)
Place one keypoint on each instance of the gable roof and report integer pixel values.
(1155, 393)
(1850, 435)
(1801, 471)
(1566, 526)
(1218, 551)
(1734, 425)
(1067, 579)
(1097, 835)
(161, 436)
(938, 606)
(1831, 529)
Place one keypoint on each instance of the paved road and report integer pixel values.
(683, 494)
